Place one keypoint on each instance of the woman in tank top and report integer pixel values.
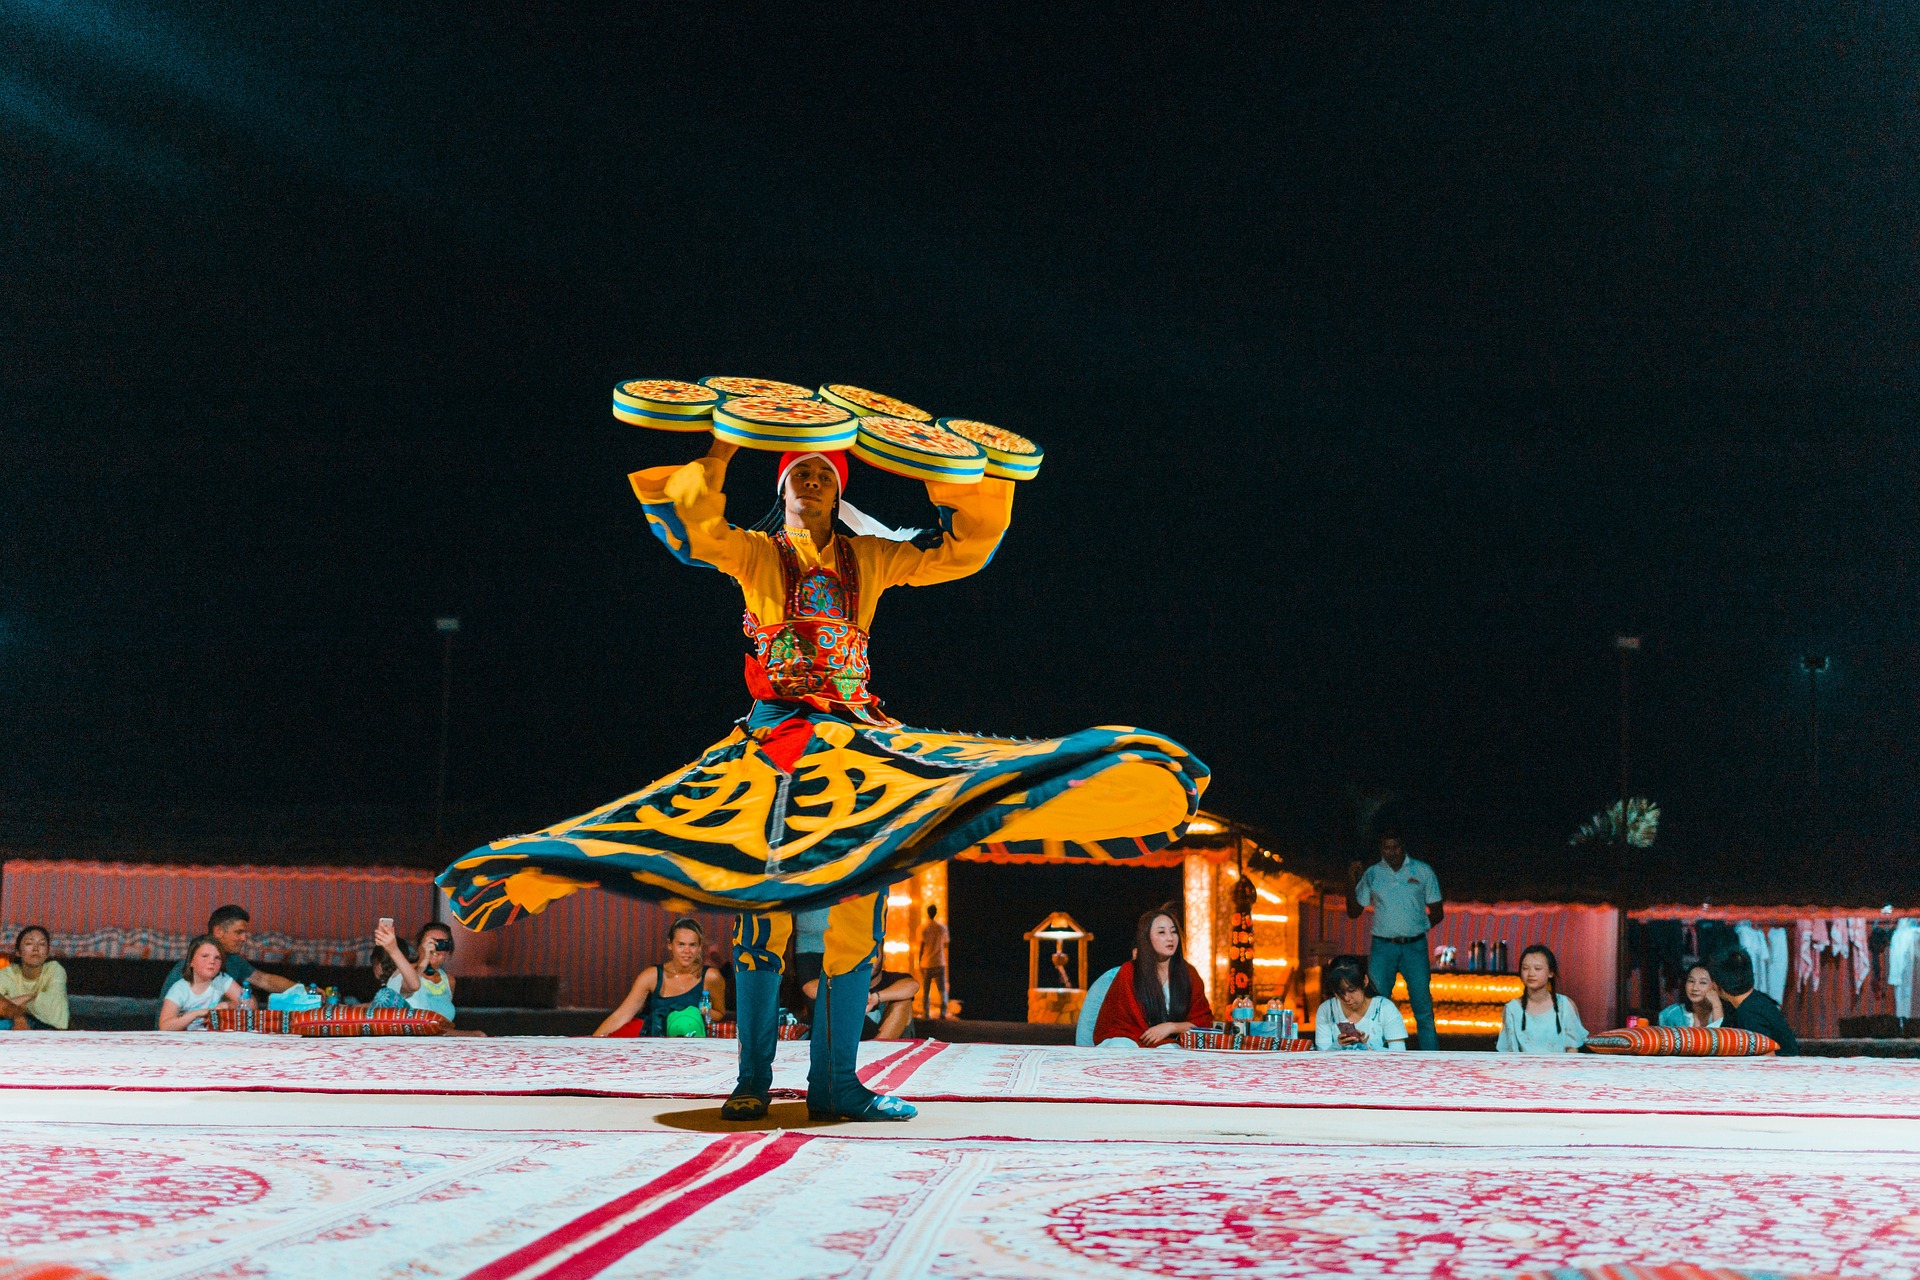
(670, 988)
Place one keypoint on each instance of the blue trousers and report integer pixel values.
(1408, 960)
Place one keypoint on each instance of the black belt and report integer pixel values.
(1415, 938)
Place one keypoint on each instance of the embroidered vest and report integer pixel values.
(818, 654)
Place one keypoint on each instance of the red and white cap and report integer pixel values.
(851, 516)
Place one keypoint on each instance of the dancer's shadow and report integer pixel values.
(781, 1115)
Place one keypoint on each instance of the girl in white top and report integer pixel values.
(203, 988)
(1351, 1019)
(1541, 1020)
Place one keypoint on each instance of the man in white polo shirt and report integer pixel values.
(1405, 897)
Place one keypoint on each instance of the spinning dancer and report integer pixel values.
(818, 798)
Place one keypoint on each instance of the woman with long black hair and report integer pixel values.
(1157, 994)
(1540, 1019)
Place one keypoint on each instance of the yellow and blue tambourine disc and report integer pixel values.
(762, 422)
(1010, 456)
(732, 388)
(861, 402)
(664, 404)
(918, 450)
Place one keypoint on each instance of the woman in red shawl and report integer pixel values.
(1157, 994)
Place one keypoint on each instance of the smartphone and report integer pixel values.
(1348, 1029)
(387, 921)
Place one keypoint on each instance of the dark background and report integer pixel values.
(1388, 363)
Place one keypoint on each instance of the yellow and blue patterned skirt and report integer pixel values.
(860, 807)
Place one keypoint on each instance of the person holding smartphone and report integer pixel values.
(1350, 1018)
(426, 984)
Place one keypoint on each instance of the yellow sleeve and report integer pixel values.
(973, 519)
(687, 510)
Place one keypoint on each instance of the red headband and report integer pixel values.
(837, 460)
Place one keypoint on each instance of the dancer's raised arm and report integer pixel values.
(973, 519)
(686, 508)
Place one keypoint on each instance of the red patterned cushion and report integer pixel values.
(361, 1020)
(227, 1018)
(1684, 1042)
(10, 1270)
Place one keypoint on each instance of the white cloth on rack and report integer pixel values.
(1810, 939)
(1754, 943)
(1862, 955)
(1900, 956)
(1837, 938)
(1777, 965)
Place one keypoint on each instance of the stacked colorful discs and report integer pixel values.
(861, 402)
(1009, 456)
(664, 404)
(763, 422)
(733, 388)
(920, 450)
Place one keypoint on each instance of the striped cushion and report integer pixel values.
(226, 1018)
(1684, 1042)
(362, 1020)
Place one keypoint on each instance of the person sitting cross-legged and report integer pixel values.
(889, 1004)
(1748, 1008)
(1157, 994)
(665, 1000)
(425, 985)
(1354, 1018)
(231, 927)
(1699, 1002)
(203, 987)
(33, 989)
(1540, 1019)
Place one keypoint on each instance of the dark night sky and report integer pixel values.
(1387, 364)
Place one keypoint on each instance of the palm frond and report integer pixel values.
(1603, 828)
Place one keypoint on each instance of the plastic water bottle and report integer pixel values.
(706, 1010)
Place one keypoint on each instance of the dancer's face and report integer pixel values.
(811, 488)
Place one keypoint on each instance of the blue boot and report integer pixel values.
(834, 1091)
(756, 995)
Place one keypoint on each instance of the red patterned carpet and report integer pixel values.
(506, 1180)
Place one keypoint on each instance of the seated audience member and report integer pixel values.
(1540, 1019)
(33, 989)
(1351, 1018)
(1746, 1008)
(1157, 994)
(1699, 1003)
(665, 1000)
(230, 927)
(809, 960)
(889, 1004)
(423, 985)
(203, 987)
